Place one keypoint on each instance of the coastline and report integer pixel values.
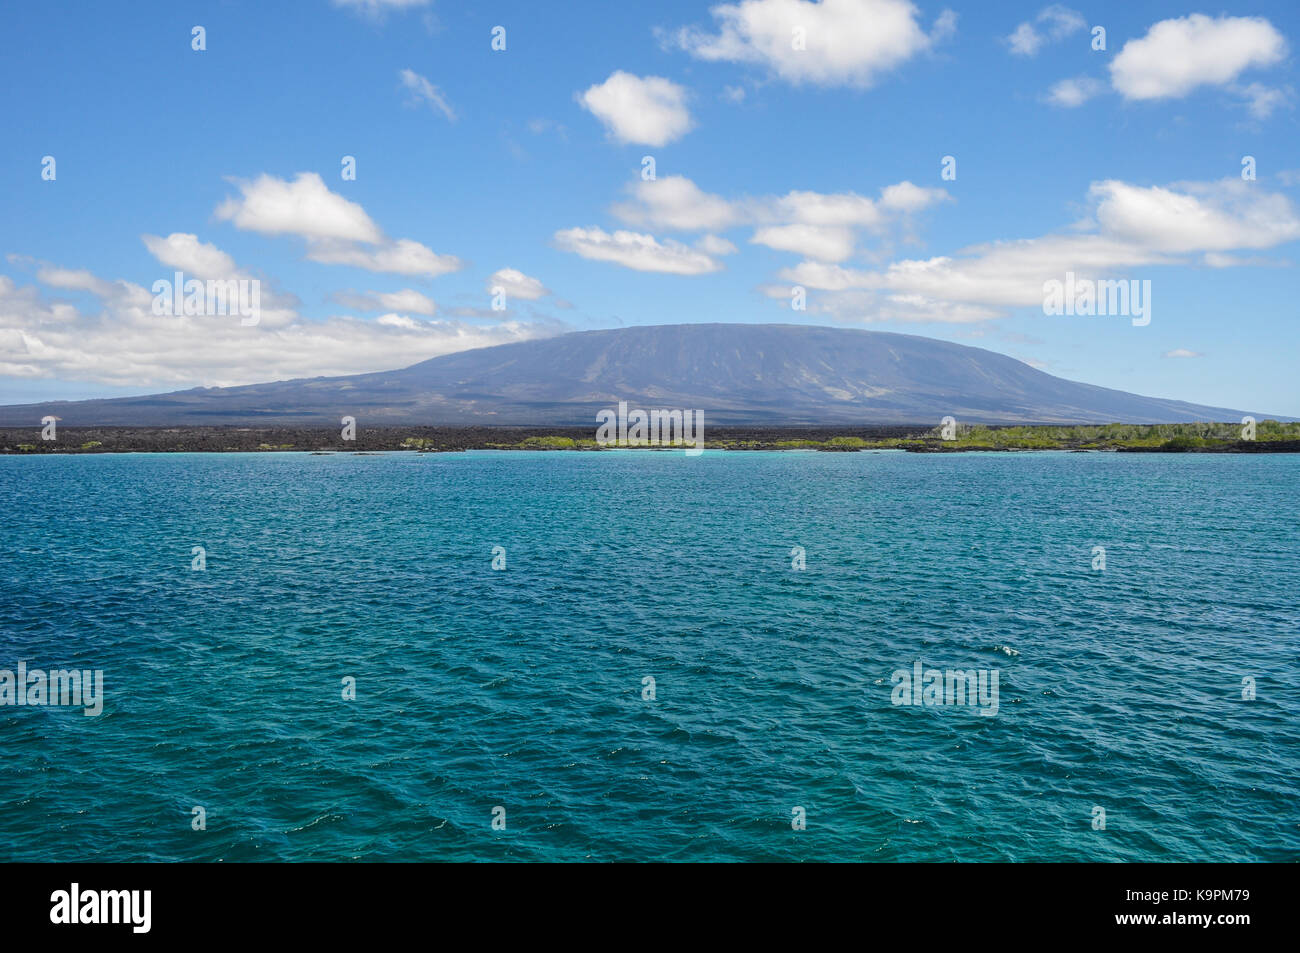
(1135, 438)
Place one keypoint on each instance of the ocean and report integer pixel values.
(679, 658)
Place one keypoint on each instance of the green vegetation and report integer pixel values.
(555, 443)
(549, 443)
(1226, 437)
(1193, 436)
(1161, 437)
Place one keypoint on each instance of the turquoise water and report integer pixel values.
(523, 688)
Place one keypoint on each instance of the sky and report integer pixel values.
(924, 168)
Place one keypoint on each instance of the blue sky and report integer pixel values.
(522, 169)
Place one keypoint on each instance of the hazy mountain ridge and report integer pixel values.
(736, 373)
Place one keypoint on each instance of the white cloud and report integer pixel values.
(185, 252)
(1218, 259)
(908, 198)
(981, 280)
(1025, 40)
(398, 321)
(945, 26)
(1182, 352)
(733, 94)
(1053, 23)
(818, 242)
(304, 207)
(818, 208)
(636, 251)
(377, 8)
(1069, 93)
(424, 92)
(860, 306)
(1134, 227)
(125, 344)
(517, 284)
(715, 245)
(648, 110)
(1176, 56)
(401, 257)
(336, 229)
(1262, 100)
(1217, 216)
(846, 42)
(816, 225)
(675, 202)
(407, 300)
(69, 279)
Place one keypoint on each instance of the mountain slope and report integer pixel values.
(736, 373)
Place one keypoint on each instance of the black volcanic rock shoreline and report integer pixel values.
(377, 439)
(916, 439)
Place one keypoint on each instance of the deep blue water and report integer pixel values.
(523, 688)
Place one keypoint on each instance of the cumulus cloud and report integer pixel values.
(831, 43)
(196, 259)
(337, 230)
(398, 321)
(1052, 23)
(79, 279)
(648, 110)
(1133, 226)
(1069, 93)
(401, 257)
(820, 208)
(517, 285)
(1215, 216)
(125, 344)
(818, 225)
(407, 300)
(1182, 352)
(819, 242)
(185, 252)
(636, 251)
(907, 198)
(304, 207)
(677, 203)
(422, 92)
(715, 245)
(1179, 55)
(995, 274)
